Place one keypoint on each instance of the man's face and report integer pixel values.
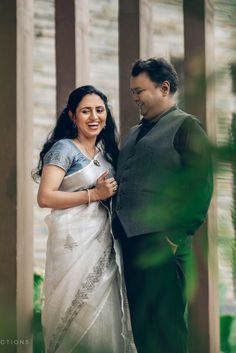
(147, 95)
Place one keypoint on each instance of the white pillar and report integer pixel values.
(16, 231)
(24, 146)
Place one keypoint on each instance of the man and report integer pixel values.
(165, 186)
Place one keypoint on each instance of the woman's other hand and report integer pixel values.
(105, 187)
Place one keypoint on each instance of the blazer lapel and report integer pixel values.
(131, 137)
(126, 150)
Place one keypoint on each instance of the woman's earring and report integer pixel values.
(104, 126)
(74, 125)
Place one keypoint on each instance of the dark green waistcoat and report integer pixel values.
(150, 179)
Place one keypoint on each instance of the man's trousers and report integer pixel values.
(155, 281)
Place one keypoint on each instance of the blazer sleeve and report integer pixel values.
(193, 146)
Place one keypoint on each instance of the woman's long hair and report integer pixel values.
(65, 128)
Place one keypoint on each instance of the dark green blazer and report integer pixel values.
(156, 193)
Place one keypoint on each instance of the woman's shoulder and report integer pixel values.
(60, 154)
(62, 145)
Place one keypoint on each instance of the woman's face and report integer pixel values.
(90, 116)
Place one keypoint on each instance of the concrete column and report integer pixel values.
(135, 41)
(82, 41)
(16, 234)
(72, 47)
(199, 100)
(8, 181)
(129, 51)
(65, 50)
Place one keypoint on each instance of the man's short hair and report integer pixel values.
(158, 70)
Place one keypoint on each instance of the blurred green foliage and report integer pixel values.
(38, 344)
(228, 334)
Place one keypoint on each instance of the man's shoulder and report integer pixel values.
(132, 130)
(189, 117)
(129, 137)
(189, 121)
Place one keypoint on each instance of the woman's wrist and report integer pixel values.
(89, 196)
(93, 195)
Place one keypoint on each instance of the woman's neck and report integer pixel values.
(88, 143)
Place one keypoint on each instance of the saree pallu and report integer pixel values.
(85, 303)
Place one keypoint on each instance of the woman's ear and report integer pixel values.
(70, 115)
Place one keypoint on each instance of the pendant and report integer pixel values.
(95, 161)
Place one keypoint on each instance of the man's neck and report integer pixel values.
(161, 112)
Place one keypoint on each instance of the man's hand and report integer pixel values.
(173, 246)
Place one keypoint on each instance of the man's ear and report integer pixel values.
(165, 87)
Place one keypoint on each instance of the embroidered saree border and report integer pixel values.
(80, 299)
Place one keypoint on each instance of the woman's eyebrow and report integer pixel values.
(89, 107)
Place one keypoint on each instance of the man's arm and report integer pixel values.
(192, 144)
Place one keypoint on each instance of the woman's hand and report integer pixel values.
(105, 188)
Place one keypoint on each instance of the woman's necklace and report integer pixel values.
(88, 154)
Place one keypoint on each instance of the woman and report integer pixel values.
(85, 304)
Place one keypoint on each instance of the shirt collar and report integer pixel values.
(147, 122)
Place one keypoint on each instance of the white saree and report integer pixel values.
(85, 304)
